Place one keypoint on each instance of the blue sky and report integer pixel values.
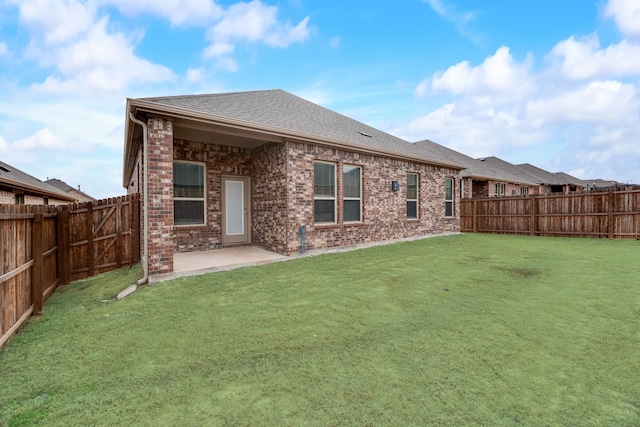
(555, 84)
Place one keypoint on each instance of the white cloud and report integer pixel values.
(106, 61)
(599, 102)
(56, 22)
(498, 73)
(583, 59)
(194, 75)
(44, 138)
(626, 14)
(335, 42)
(178, 12)
(253, 22)
(461, 20)
(4, 50)
(88, 57)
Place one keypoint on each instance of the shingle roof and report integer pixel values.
(475, 168)
(15, 178)
(571, 180)
(284, 111)
(542, 176)
(504, 166)
(63, 186)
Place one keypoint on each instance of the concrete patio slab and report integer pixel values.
(201, 262)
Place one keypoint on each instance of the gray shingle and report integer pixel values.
(475, 168)
(282, 110)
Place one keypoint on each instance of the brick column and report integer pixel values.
(160, 195)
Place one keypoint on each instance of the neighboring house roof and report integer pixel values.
(16, 179)
(475, 168)
(571, 180)
(498, 164)
(63, 186)
(542, 176)
(278, 114)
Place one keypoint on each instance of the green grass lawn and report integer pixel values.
(461, 330)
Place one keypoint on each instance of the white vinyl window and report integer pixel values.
(448, 197)
(412, 196)
(498, 189)
(188, 193)
(324, 193)
(524, 191)
(352, 193)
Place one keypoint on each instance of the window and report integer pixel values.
(412, 196)
(188, 193)
(462, 188)
(448, 197)
(498, 189)
(18, 199)
(524, 191)
(352, 193)
(324, 192)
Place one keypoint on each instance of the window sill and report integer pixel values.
(189, 226)
(325, 226)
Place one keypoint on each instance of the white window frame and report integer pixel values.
(197, 199)
(335, 195)
(499, 189)
(452, 199)
(359, 198)
(524, 191)
(417, 195)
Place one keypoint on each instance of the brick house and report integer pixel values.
(254, 168)
(20, 188)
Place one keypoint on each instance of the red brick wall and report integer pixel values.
(160, 141)
(270, 193)
(384, 211)
(219, 160)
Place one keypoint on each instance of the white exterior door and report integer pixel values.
(235, 210)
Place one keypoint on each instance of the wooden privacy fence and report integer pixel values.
(46, 246)
(611, 214)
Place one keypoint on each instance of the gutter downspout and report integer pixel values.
(145, 262)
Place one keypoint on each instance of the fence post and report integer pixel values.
(475, 216)
(37, 251)
(119, 245)
(532, 209)
(89, 227)
(64, 249)
(611, 224)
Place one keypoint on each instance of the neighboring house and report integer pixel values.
(573, 184)
(270, 169)
(543, 182)
(19, 188)
(74, 192)
(479, 179)
(552, 182)
(603, 184)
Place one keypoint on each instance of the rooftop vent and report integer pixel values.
(3, 169)
(365, 134)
